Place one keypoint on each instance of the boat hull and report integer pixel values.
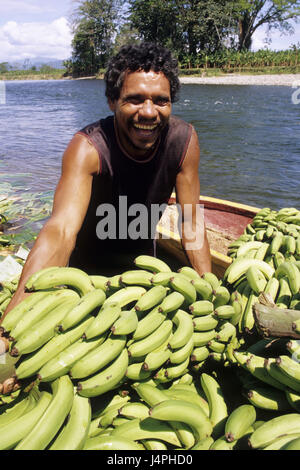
(225, 221)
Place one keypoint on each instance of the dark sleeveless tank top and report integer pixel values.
(147, 182)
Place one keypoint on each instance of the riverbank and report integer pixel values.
(232, 79)
(239, 79)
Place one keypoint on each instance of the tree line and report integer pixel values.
(197, 31)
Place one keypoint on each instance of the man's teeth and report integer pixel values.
(144, 127)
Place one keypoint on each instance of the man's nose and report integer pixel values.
(148, 110)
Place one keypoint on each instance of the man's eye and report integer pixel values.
(162, 101)
(134, 100)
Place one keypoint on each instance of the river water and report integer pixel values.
(249, 136)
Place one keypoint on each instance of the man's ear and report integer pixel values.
(111, 104)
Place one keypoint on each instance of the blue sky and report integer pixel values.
(39, 28)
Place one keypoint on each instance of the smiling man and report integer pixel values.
(121, 166)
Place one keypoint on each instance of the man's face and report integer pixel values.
(142, 110)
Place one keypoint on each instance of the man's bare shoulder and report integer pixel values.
(81, 154)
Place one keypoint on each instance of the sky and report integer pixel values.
(32, 29)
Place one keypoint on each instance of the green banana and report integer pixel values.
(162, 278)
(150, 263)
(276, 242)
(186, 412)
(268, 398)
(256, 279)
(199, 354)
(113, 284)
(40, 310)
(212, 279)
(171, 302)
(201, 307)
(246, 247)
(204, 444)
(247, 321)
(262, 251)
(239, 267)
(34, 362)
(289, 367)
(271, 430)
(177, 356)
(257, 367)
(125, 296)
(152, 444)
(149, 323)
(150, 394)
(224, 312)
(218, 411)
(16, 313)
(151, 298)
(217, 347)
(189, 272)
(52, 419)
(24, 404)
(184, 287)
(40, 333)
(293, 444)
(205, 323)
(189, 395)
(290, 270)
(105, 380)
(110, 443)
(156, 358)
(148, 428)
(167, 373)
(202, 338)
(86, 305)
(222, 444)
(226, 332)
(294, 399)
(284, 293)
(62, 362)
(184, 329)
(104, 320)
(135, 371)
(136, 277)
(239, 421)
(221, 296)
(134, 410)
(61, 275)
(272, 288)
(203, 288)
(154, 340)
(99, 281)
(98, 358)
(12, 433)
(126, 323)
(282, 378)
(74, 434)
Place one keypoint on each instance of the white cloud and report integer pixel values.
(35, 39)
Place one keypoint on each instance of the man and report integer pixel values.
(136, 156)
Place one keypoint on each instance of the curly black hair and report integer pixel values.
(145, 56)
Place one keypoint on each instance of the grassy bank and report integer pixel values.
(55, 74)
(198, 72)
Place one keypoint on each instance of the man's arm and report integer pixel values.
(194, 236)
(56, 240)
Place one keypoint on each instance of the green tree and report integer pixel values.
(251, 14)
(188, 27)
(94, 24)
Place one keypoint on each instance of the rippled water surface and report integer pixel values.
(249, 136)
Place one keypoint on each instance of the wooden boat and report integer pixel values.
(225, 222)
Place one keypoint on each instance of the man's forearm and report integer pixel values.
(197, 249)
(52, 248)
